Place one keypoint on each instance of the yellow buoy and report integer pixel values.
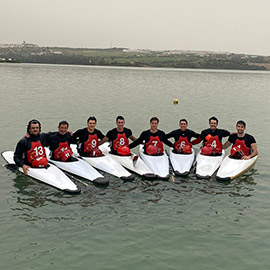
(175, 101)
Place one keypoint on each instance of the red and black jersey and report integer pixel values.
(118, 139)
(55, 140)
(87, 142)
(182, 138)
(28, 149)
(243, 143)
(220, 133)
(147, 136)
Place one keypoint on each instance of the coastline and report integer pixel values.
(31, 53)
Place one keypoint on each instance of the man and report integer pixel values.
(59, 143)
(244, 145)
(88, 139)
(153, 139)
(119, 138)
(212, 138)
(182, 137)
(30, 150)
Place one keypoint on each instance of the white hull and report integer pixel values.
(159, 165)
(106, 164)
(51, 175)
(181, 163)
(207, 165)
(127, 161)
(79, 168)
(232, 168)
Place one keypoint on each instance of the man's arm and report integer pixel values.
(105, 139)
(253, 153)
(226, 145)
(167, 142)
(132, 138)
(138, 141)
(170, 135)
(18, 156)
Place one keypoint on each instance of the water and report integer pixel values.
(181, 224)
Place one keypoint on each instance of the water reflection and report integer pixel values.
(174, 196)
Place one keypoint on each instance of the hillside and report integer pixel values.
(31, 53)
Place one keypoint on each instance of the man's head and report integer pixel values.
(63, 127)
(213, 123)
(91, 123)
(33, 127)
(154, 123)
(120, 122)
(183, 124)
(240, 127)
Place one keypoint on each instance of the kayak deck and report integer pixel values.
(181, 163)
(50, 175)
(232, 168)
(159, 165)
(107, 164)
(207, 165)
(79, 167)
(132, 162)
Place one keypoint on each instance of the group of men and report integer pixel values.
(30, 150)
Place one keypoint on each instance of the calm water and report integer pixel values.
(185, 224)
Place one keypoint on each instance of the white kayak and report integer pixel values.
(159, 165)
(106, 164)
(79, 168)
(231, 168)
(181, 163)
(50, 175)
(207, 165)
(137, 166)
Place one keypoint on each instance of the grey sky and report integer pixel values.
(239, 26)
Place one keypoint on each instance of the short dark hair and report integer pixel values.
(63, 123)
(33, 121)
(154, 119)
(241, 122)
(213, 118)
(184, 120)
(93, 118)
(119, 117)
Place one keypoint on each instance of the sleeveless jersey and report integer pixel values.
(156, 142)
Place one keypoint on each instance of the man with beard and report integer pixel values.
(30, 150)
(243, 145)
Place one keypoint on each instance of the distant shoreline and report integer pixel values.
(32, 53)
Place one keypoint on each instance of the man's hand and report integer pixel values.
(25, 169)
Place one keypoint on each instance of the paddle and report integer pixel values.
(80, 181)
(134, 160)
(172, 176)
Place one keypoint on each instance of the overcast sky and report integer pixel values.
(238, 26)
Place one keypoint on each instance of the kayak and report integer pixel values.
(181, 163)
(79, 168)
(159, 165)
(138, 166)
(106, 164)
(232, 168)
(50, 175)
(207, 165)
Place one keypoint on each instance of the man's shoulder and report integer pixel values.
(112, 131)
(175, 131)
(207, 130)
(23, 140)
(250, 137)
(127, 129)
(160, 132)
(223, 130)
(233, 136)
(79, 131)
